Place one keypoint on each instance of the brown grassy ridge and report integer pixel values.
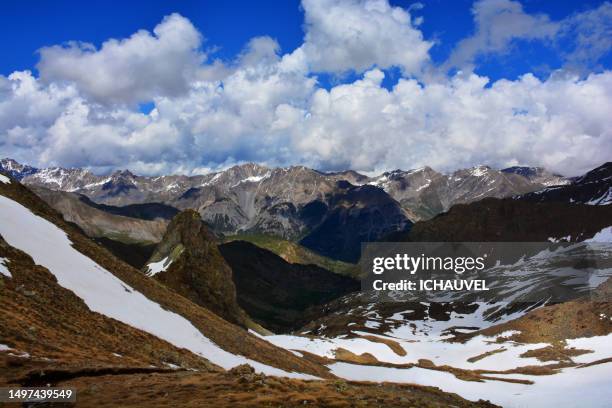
(555, 352)
(240, 387)
(486, 354)
(230, 337)
(554, 323)
(393, 345)
(58, 331)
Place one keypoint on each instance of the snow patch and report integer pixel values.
(212, 180)
(573, 387)
(427, 184)
(3, 268)
(4, 179)
(562, 239)
(156, 267)
(605, 235)
(253, 179)
(605, 199)
(479, 171)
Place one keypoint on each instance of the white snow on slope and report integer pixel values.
(156, 267)
(253, 179)
(426, 340)
(212, 180)
(427, 184)
(4, 179)
(605, 199)
(479, 171)
(605, 235)
(440, 352)
(103, 292)
(3, 268)
(572, 388)
(600, 345)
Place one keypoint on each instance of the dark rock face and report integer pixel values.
(512, 220)
(145, 211)
(195, 267)
(277, 294)
(537, 175)
(355, 215)
(594, 188)
(135, 255)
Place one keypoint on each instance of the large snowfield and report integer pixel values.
(571, 387)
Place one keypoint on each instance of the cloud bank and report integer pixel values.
(268, 106)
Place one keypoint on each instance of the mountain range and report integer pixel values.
(330, 213)
(240, 197)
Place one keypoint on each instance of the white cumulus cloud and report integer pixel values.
(359, 34)
(131, 70)
(498, 23)
(267, 106)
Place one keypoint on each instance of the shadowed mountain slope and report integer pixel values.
(278, 294)
(512, 220)
(353, 215)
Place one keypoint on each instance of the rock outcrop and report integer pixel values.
(188, 261)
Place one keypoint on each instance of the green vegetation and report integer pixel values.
(293, 252)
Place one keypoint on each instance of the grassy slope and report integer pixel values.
(293, 252)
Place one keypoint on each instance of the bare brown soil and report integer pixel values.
(393, 345)
(555, 352)
(486, 354)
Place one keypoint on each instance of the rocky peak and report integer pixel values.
(246, 170)
(476, 171)
(188, 260)
(16, 169)
(187, 229)
(599, 174)
(123, 177)
(537, 175)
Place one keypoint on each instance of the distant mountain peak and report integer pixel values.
(16, 169)
(123, 173)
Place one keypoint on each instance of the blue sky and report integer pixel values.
(27, 26)
(191, 87)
